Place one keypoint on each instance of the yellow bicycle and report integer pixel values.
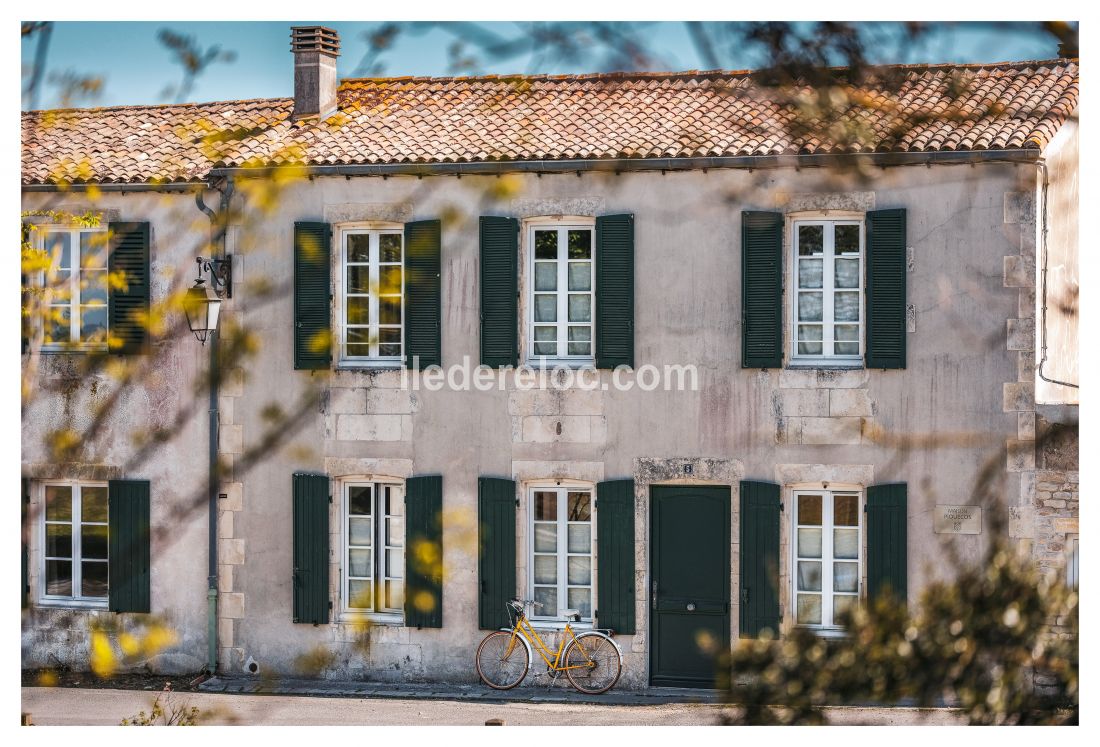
(591, 661)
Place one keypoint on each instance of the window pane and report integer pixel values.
(93, 541)
(810, 306)
(847, 339)
(581, 600)
(546, 244)
(359, 499)
(59, 578)
(395, 563)
(360, 596)
(548, 597)
(809, 510)
(809, 543)
(389, 310)
(809, 609)
(546, 569)
(358, 279)
(358, 247)
(845, 577)
(358, 350)
(846, 306)
(58, 323)
(809, 339)
(59, 540)
(579, 507)
(59, 503)
(842, 603)
(846, 543)
(580, 245)
(846, 239)
(809, 575)
(358, 310)
(389, 335)
(359, 563)
(809, 273)
(580, 307)
(545, 340)
(93, 503)
(580, 538)
(580, 569)
(93, 579)
(93, 249)
(395, 531)
(580, 276)
(580, 340)
(389, 279)
(810, 240)
(93, 286)
(58, 247)
(546, 506)
(389, 247)
(846, 273)
(359, 532)
(546, 307)
(846, 510)
(389, 342)
(546, 537)
(546, 276)
(395, 503)
(395, 595)
(359, 336)
(93, 323)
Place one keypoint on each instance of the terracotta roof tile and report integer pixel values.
(543, 117)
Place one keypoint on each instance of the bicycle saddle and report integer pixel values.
(575, 614)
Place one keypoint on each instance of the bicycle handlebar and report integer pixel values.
(528, 601)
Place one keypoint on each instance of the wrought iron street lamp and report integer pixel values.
(202, 304)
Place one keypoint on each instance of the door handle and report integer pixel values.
(653, 595)
(745, 595)
(691, 607)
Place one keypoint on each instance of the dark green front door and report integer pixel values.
(689, 584)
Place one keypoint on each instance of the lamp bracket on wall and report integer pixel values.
(220, 270)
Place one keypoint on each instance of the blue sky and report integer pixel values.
(137, 69)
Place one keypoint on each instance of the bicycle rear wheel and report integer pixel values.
(593, 664)
(502, 660)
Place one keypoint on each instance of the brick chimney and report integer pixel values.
(315, 51)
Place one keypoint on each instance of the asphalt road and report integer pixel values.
(75, 706)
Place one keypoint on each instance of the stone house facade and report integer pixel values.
(871, 369)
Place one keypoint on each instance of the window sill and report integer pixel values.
(350, 617)
(370, 365)
(824, 632)
(551, 363)
(73, 604)
(825, 365)
(559, 625)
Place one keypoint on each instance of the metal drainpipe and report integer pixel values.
(218, 226)
(1042, 166)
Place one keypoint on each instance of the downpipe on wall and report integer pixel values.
(219, 222)
(1043, 186)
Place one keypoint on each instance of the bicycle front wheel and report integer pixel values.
(502, 660)
(593, 664)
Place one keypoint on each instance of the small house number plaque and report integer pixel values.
(958, 520)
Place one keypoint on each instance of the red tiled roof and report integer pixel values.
(620, 115)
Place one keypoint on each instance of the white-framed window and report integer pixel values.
(74, 541)
(562, 549)
(372, 295)
(1073, 568)
(827, 555)
(827, 304)
(374, 548)
(75, 316)
(561, 300)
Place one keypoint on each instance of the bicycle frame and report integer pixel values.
(523, 629)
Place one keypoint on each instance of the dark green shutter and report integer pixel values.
(312, 300)
(496, 560)
(311, 533)
(422, 294)
(886, 289)
(128, 304)
(499, 283)
(761, 289)
(614, 291)
(424, 552)
(128, 543)
(615, 555)
(759, 559)
(886, 540)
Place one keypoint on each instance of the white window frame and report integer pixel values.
(373, 230)
(562, 489)
(378, 542)
(76, 599)
(563, 226)
(74, 343)
(827, 557)
(827, 289)
(1073, 561)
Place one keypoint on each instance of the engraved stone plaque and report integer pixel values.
(958, 520)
